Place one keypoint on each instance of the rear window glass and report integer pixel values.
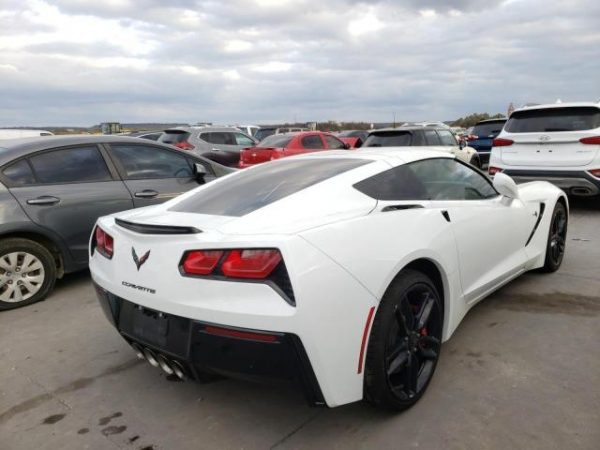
(174, 137)
(389, 139)
(488, 129)
(263, 133)
(276, 140)
(554, 119)
(255, 188)
(19, 173)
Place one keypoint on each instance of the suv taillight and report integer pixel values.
(595, 172)
(184, 145)
(494, 170)
(103, 243)
(593, 140)
(500, 142)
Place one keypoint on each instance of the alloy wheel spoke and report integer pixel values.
(398, 363)
(413, 375)
(429, 347)
(401, 320)
(425, 312)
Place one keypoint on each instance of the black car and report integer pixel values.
(52, 190)
(482, 136)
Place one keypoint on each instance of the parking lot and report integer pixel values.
(522, 371)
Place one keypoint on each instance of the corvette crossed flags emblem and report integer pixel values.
(139, 261)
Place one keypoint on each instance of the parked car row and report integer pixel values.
(53, 189)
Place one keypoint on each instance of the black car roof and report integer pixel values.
(11, 149)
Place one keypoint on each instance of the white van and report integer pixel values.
(16, 133)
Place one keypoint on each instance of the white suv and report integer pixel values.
(559, 143)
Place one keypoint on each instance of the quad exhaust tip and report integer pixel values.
(170, 367)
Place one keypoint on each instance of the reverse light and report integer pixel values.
(252, 263)
(103, 243)
(593, 140)
(501, 142)
(201, 262)
(184, 145)
(595, 173)
(494, 170)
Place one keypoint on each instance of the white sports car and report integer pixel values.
(341, 271)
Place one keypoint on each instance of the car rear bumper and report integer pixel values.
(575, 183)
(199, 348)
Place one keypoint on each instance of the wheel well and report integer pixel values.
(429, 268)
(46, 242)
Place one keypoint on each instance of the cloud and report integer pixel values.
(75, 62)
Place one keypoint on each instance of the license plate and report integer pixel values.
(151, 326)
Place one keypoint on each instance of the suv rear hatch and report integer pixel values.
(484, 133)
(551, 137)
(178, 138)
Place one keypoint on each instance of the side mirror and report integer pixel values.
(505, 185)
(199, 173)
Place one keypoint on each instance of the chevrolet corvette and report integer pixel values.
(343, 272)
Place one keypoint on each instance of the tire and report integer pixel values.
(402, 355)
(27, 272)
(557, 238)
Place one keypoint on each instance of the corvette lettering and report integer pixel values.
(139, 288)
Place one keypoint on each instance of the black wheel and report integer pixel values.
(557, 238)
(405, 342)
(27, 272)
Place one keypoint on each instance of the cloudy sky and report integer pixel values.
(80, 62)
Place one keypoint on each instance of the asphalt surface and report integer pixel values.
(522, 371)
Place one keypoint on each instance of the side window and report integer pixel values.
(447, 179)
(431, 137)
(141, 162)
(19, 173)
(431, 179)
(332, 142)
(241, 139)
(70, 165)
(312, 141)
(447, 138)
(215, 138)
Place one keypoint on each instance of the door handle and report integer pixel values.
(146, 193)
(43, 200)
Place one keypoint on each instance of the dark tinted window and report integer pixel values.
(312, 141)
(263, 133)
(389, 139)
(142, 162)
(70, 165)
(554, 119)
(276, 140)
(219, 137)
(19, 173)
(333, 143)
(431, 179)
(431, 137)
(488, 129)
(255, 188)
(174, 137)
(447, 138)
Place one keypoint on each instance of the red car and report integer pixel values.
(288, 144)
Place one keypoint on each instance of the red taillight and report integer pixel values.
(494, 170)
(595, 172)
(593, 140)
(103, 242)
(201, 262)
(500, 142)
(243, 263)
(184, 145)
(252, 263)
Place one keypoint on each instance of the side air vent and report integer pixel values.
(155, 229)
